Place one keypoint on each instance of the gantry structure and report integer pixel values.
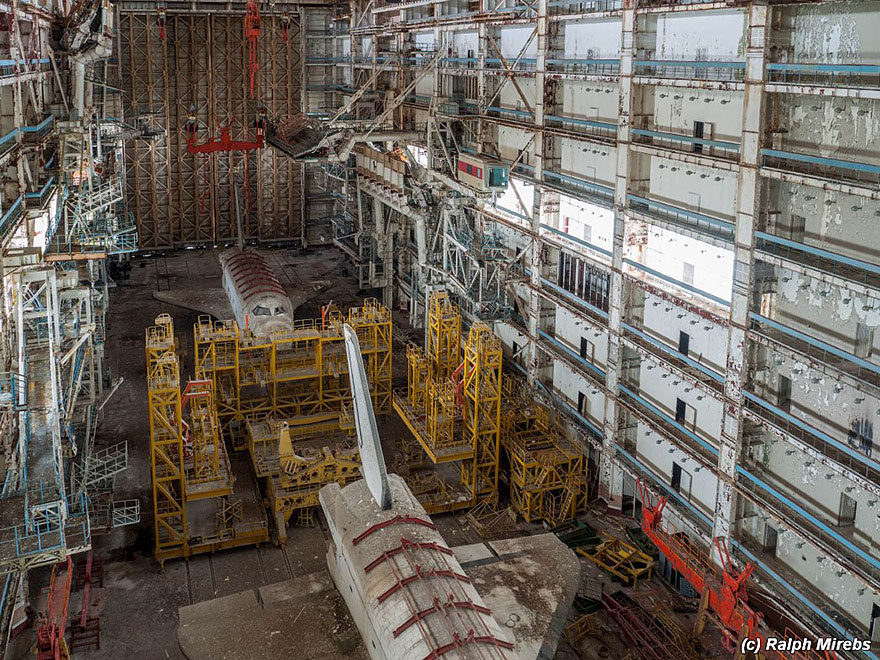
(62, 219)
(273, 400)
(463, 411)
(680, 264)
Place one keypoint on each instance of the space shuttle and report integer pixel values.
(251, 294)
(410, 594)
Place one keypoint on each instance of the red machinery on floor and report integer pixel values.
(724, 595)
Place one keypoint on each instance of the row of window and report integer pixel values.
(583, 280)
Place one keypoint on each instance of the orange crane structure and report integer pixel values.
(724, 595)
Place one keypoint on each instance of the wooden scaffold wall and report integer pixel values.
(199, 62)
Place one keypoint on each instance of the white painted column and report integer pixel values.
(610, 476)
(747, 199)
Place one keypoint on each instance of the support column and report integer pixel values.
(535, 257)
(610, 477)
(747, 198)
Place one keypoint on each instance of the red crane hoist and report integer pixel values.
(285, 26)
(252, 36)
(224, 142)
(161, 19)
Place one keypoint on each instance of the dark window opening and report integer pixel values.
(699, 129)
(684, 342)
(680, 408)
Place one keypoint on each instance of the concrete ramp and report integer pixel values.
(529, 583)
(277, 621)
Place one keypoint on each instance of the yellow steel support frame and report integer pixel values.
(166, 441)
(440, 418)
(208, 473)
(417, 378)
(443, 336)
(482, 411)
(372, 323)
(300, 372)
(547, 472)
(216, 348)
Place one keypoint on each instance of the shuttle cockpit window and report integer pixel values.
(259, 310)
(279, 311)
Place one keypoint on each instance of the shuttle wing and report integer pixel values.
(214, 301)
(369, 446)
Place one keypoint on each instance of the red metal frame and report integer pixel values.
(420, 574)
(396, 520)
(458, 642)
(224, 143)
(406, 544)
(636, 632)
(727, 597)
(53, 619)
(252, 36)
(440, 606)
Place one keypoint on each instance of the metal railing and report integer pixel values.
(585, 6)
(716, 148)
(588, 188)
(693, 220)
(676, 282)
(39, 198)
(824, 352)
(840, 452)
(690, 70)
(592, 67)
(829, 168)
(855, 270)
(600, 129)
(36, 133)
(8, 141)
(827, 75)
(9, 220)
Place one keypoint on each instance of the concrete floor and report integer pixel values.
(139, 603)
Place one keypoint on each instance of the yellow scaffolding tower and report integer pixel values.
(443, 336)
(208, 473)
(547, 471)
(166, 441)
(417, 377)
(192, 475)
(481, 406)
